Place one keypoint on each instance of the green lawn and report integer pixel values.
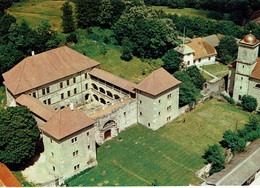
(34, 11)
(91, 45)
(171, 155)
(218, 70)
(184, 11)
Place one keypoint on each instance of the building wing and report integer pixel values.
(46, 67)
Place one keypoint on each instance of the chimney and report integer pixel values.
(71, 106)
(33, 53)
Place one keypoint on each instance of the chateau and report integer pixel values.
(77, 105)
(244, 72)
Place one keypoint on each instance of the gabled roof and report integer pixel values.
(43, 68)
(66, 122)
(113, 79)
(202, 48)
(239, 169)
(213, 40)
(36, 106)
(7, 179)
(184, 49)
(157, 82)
(256, 71)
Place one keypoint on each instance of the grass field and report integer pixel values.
(34, 11)
(169, 156)
(91, 45)
(184, 11)
(218, 70)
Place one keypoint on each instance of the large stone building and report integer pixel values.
(77, 105)
(244, 72)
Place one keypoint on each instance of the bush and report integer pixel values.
(229, 99)
(215, 15)
(249, 103)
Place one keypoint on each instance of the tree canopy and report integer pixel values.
(19, 133)
(67, 23)
(227, 49)
(171, 61)
(214, 155)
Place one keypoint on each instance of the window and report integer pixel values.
(88, 146)
(240, 87)
(169, 118)
(62, 96)
(141, 113)
(209, 58)
(74, 140)
(243, 66)
(49, 101)
(159, 101)
(257, 86)
(199, 60)
(239, 97)
(159, 113)
(188, 62)
(75, 153)
(124, 113)
(140, 102)
(75, 91)
(76, 167)
(34, 94)
(149, 125)
(68, 93)
(61, 85)
(68, 82)
(86, 75)
(53, 168)
(45, 102)
(52, 154)
(241, 78)
(87, 133)
(51, 140)
(169, 96)
(169, 107)
(43, 91)
(48, 89)
(74, 80)
(86, 86)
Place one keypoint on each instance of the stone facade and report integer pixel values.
(244, 76)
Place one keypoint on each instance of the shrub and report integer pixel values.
(249, 103)
(72, 37)
(229, 99)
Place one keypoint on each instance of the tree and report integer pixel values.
(87, 12)
(67, 23)
(5, 23)
(227, 49)
(197, 79)
(249, 103)
(214, 156)
(171, 61)
(19, 133)
(233, 141)
(106, 13)
(187, 89)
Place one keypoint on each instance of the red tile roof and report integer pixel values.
(66, 122)
(256, 71)
(37, 107)
(113, 79)
(157, 82)
(202, 48)
(43, 68)
(7, 179)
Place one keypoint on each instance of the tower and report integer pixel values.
(246, 60)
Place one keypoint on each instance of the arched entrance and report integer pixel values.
(109, 130)
(107, 134)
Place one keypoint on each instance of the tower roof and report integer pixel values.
(249, 39)
(66, 122)
(157, 82)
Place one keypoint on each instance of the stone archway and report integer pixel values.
(109, 130)
(102, 101)
(96, 97)
(109, 94)
(116, 96)
(102, 90)
(107, 134)
(87, 96)
(94, 86)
